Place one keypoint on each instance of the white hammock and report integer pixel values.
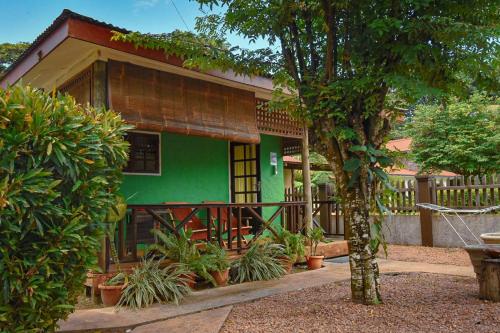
(446, 212)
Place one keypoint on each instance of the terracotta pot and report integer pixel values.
(314, 262)
(221, 278)
(191, 277)
(95, 279)
(491, 238)
(110, 295)
(287, 264)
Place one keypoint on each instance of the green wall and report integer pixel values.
(272, 185)
(193, 169)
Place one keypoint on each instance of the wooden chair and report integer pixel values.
(195, 224)
(246, 229)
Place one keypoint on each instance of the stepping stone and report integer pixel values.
(209, 321)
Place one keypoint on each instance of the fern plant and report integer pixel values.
(260, 262)
(179, 249)
(149, 283)
(293, 244)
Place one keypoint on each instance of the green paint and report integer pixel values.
(193, 169)
(272, 185)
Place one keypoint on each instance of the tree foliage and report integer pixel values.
(9, 52)
(459, 136)
(60, 167)
(342, 58)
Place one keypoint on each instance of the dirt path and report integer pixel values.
(430, 255)
(413, 302)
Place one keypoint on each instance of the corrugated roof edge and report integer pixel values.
(66, 14)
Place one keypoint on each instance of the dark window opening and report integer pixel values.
(144, 154)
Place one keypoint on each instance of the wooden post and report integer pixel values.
(98, 98)
(99, 91)
(424, 188)
(489, 280)
(324, 218)
(306, 176)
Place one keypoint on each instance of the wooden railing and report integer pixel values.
(232, 226)
(326, 211)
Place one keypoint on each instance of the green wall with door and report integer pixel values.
(194, 169)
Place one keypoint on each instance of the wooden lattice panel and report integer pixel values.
(277, 122)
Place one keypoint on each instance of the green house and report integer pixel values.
(202, 141)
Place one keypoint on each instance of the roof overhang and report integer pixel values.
(73, 42)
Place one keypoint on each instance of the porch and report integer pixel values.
(234, 226)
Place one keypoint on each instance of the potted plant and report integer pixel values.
(111, 290)
(219, 264)
(180, 250)
(294, 248)
(260, 262)
(149, 283)
(109, 284)
(315, 236)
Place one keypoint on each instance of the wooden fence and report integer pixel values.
(326, 211)
(453, 192)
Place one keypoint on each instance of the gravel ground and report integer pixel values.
(430, 255)
(412, 303)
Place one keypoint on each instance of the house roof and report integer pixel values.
(84, 29)
(402, 145)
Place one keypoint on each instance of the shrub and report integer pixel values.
(60, 167)
(260, 262)
(293, 244)
(149, 283)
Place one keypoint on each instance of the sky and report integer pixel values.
(24, 20)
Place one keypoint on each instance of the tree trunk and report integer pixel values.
(362, 261)
(306, 181)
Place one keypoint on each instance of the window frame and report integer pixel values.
(159, 155)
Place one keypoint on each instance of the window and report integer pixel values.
(144, 155)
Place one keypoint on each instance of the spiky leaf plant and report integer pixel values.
(179, 249)
(260, 262)
(149, 283)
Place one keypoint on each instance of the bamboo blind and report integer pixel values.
(79, 86)
(156, 100)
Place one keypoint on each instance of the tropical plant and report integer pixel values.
(177, 248)
(461, 136)
(148, 283)
(218, 258)
(60, 169)
(343, 58)
(261, 262)
(115, 214)
(116, 280)
(293, 244)
(315, 236)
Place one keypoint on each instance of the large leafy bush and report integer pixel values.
(60, 167)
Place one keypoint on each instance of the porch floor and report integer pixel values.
(335, 247)
(108, 320)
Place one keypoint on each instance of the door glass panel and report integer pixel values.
(245, 173)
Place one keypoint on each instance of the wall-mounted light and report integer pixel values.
(274, 162)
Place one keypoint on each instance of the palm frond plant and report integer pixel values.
(260, 262)
(293, 244)
(218, 263)
(149, 283)
(179, 249)
(111, 289)
(315, 236)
